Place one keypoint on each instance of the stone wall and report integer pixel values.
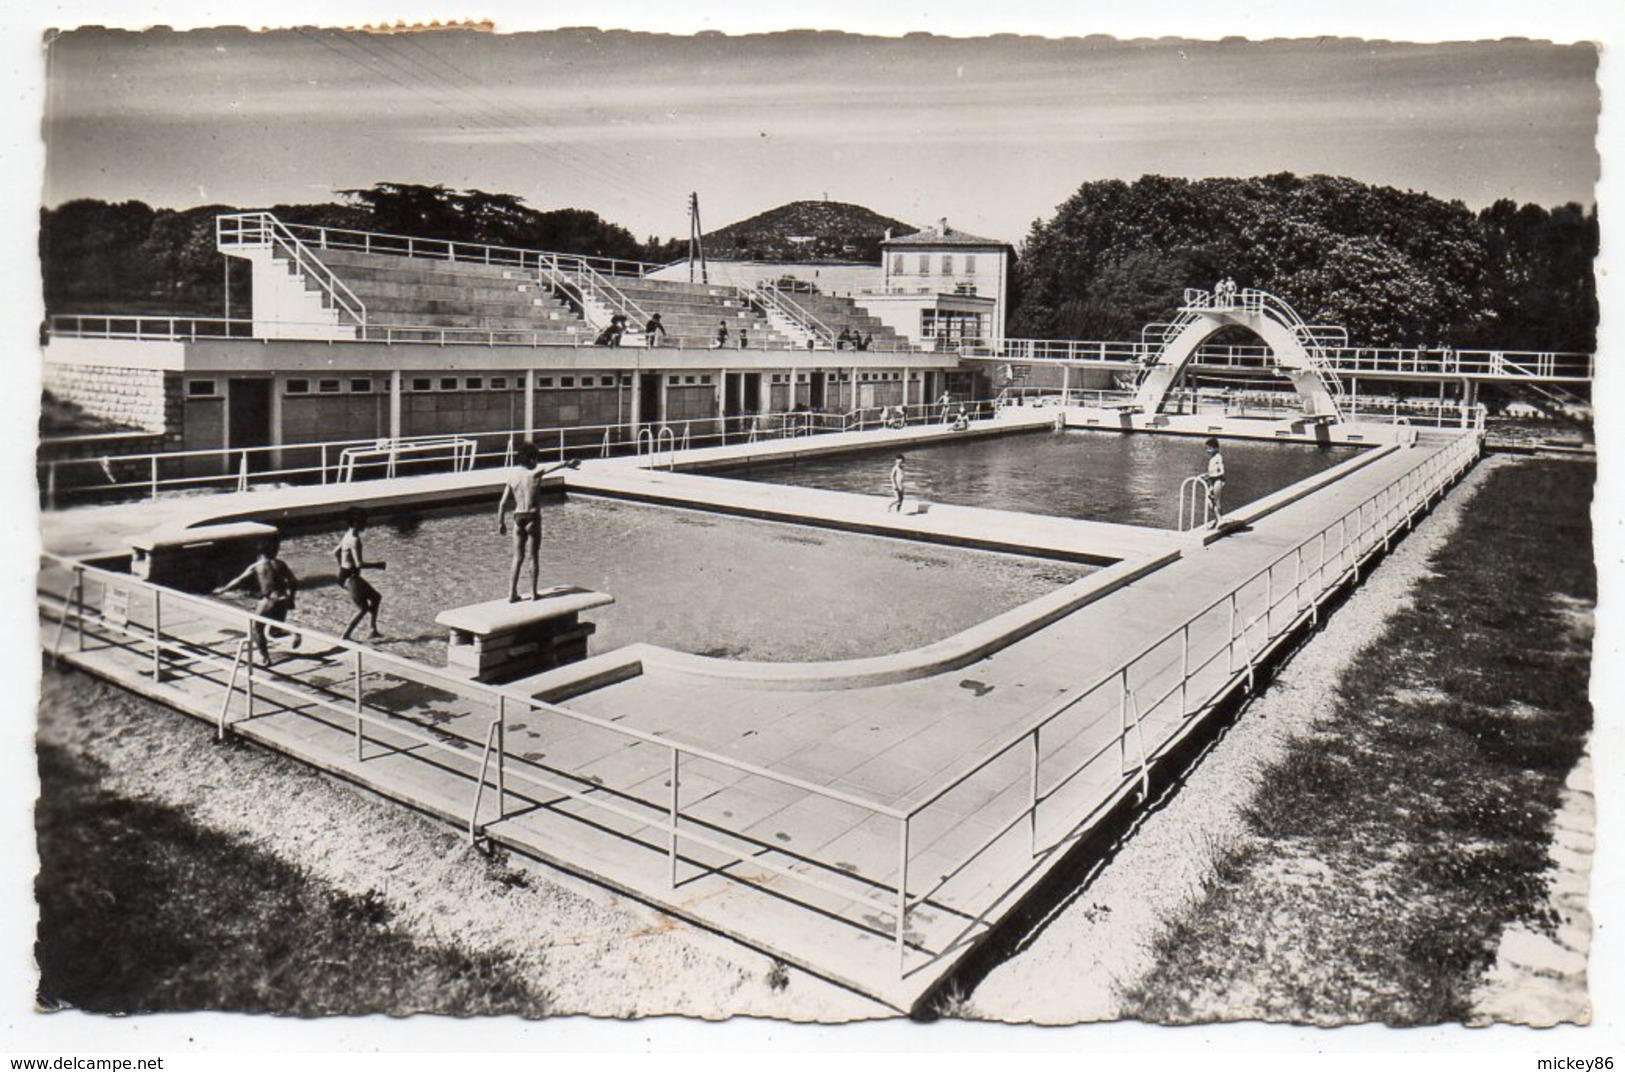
(148, 399)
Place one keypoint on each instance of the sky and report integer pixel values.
(990, 132)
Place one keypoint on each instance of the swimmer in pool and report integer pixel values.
(352, 560)
(523, 491)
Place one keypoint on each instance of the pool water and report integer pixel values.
(695, 582)
(1132, 478)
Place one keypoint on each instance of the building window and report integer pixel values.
(328, 387)
(896, 264)
(201, 388)
(966, 289)
(422, 383)
(925, 264)
(567, 381)
(474, 383)
(544, 381)
(947, 264)
(298, 387)
(499, 383)
(360, 387)
(606, 381)
(970, 264)
(691, 379)
(448, 383)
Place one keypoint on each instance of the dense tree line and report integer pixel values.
(1394, 267)
(129, 257)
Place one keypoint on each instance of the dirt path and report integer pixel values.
(1077, 964)
(593, 952)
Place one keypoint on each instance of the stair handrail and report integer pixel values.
(264, 231)
(1262, 302)
(590, 285)
(770, 295)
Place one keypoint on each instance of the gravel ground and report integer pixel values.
(593, 952)
(1075, 966)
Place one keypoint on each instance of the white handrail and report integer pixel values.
(262, 230)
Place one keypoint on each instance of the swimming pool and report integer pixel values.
(694, 582)
(1131, 478)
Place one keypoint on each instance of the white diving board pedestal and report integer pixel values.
(498, 641)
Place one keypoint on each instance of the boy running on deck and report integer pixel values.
(352, 560)
(277, 587)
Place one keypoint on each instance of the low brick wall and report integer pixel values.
(149, 399)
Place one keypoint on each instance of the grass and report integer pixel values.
(142, 910)
(1384, 856)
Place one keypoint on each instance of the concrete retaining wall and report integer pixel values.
(148, 399)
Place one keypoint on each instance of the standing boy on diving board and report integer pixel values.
(524, 492)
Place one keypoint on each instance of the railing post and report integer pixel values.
(79, 603)
(671, 820)
(1032, 827)
(157, 633)
(152, 478)
(356, 698)
(248, 676)
(324, 463)
(1185, 671)
(902, 895)
(1230, 653)
(502, 757)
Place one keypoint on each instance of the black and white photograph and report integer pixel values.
(860, 531)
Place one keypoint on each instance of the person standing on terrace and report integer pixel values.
(897, 486)
(721, 341)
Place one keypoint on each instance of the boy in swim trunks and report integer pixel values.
(352, 560)
(1215, 482)
(277, 587)
(524, 492)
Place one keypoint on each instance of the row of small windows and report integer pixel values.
(361, 386)
(923, 263)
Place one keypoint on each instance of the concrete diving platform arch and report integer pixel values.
(1204, 315)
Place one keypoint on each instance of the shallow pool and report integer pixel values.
(1132, 478)
(695, 582)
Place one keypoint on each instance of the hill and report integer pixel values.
(807, 230)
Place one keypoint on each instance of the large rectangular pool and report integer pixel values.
(695, 582)
(1131, 478)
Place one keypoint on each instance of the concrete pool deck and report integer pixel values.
(888, 747)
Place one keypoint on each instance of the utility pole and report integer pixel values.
(696, 246)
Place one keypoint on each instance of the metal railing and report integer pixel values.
(1441, 362)
(1160, 688)
(1173, 679)
(449, 250)
(1195, 504)
(261, 230)
(121, 611)
(597, 296)
(124, 477)
(819, 334)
